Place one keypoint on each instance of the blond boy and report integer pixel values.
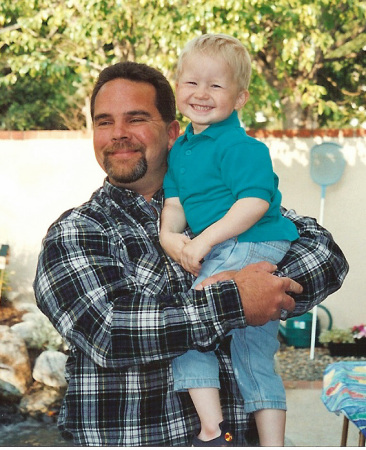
(221, 182)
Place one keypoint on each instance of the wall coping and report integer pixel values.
(44, 134)
(83, 134)
(343, 132)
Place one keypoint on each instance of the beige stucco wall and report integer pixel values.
(41, 177)
(344, 212)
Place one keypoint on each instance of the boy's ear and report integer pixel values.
(242, 98)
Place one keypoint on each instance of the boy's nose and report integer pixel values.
(201, 92)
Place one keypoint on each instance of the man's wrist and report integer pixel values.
(227, 304)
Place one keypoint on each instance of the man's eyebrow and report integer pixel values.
(138, 112)
(132, 113)
(101, 116)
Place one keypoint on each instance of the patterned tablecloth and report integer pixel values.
(344, 391)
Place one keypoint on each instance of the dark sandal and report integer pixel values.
(224, 440)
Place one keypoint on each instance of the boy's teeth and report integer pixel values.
(201, 108)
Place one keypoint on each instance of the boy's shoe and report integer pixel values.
(224, 440)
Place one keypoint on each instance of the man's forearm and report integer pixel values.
(110, 316)
(315, 261)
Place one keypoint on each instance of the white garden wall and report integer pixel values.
(44, 173)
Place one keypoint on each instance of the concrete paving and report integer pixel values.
(310, 424)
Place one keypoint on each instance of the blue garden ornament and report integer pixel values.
(327, 164)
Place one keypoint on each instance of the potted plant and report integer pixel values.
(345, 342)
(359, 333)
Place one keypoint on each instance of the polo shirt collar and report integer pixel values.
(216, 129)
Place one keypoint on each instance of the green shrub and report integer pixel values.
(337, 336)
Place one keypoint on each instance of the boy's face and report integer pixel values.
(206, 91)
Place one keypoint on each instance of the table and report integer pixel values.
(344, 391)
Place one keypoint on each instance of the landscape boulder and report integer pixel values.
(49, 368)
(15, 368)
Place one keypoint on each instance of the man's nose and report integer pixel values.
(120, 131)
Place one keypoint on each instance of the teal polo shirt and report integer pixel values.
(211, 170)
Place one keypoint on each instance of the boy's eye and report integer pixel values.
(216, 86)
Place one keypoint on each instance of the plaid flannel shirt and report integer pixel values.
(126, 310)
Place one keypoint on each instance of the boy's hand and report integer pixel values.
(193, 253)
(173, 244)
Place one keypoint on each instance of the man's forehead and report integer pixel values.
(131, 96)
(123, 87)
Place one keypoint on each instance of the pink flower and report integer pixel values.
(359, 331)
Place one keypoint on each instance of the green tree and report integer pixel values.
(308, 56)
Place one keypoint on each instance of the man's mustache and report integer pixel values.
(117, 146)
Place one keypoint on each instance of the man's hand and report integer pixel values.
(262, 294)
(222, 276)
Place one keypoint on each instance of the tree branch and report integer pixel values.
(13, 27)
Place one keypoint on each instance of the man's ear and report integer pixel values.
(173, 133)
(242, 98)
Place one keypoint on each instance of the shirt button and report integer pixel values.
(188, 152)
(182, 170)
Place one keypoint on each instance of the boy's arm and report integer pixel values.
(173, 223)
(241, 216)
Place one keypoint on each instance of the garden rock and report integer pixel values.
(49, 368)
(37, 331)
(41, 400)
(15, 369)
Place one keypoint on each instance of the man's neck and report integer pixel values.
(148, 192)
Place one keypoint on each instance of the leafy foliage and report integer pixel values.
(337, 336)
(308, 55)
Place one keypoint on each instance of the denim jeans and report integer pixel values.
(252, 348)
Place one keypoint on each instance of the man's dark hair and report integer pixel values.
(165, 100)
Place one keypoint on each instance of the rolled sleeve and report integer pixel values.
(315, 261)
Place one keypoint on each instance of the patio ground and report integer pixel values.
(309, 423)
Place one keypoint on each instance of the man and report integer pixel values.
(125, 308)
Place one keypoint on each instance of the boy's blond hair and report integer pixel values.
(224, 46)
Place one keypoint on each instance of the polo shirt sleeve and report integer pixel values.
(247, 170)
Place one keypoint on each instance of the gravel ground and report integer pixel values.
(294, 363)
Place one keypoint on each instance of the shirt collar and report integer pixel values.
(215, 129)
(126, 197)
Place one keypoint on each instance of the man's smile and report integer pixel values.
(124, 151)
